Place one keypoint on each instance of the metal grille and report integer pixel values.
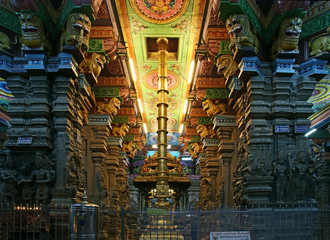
(290, 223)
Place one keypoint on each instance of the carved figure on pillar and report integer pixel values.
(124, 197)
(242, 169)
(240, 33)
(197, 147)
(8, 181)
(192, 153)
(5, 43)
(130, 148)
(74, 174)
(320, 44)
(43, 176)
(108, 107)
(288, 38)
(93, 64)
(300, 172)
(33, 33)
(25, 182)
(119, 130)
(205, 131)
(216, 108)
(226, 65)
(280, 172)
(204, 194)
(77, 31)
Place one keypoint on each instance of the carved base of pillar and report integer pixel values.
(66, 196)
(257, 190)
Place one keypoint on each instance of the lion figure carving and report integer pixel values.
(240, 33)
(77, 31)
(197, 147)
(227, 65)
(108, 107)
(320, 44)
(120, 130)
(213, 108)
(205, 132)
(94, 63)
(33, 33)
(130, 148)
(5, 43)
(288, 37)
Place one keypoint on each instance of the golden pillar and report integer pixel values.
(162, 186)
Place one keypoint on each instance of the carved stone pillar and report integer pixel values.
(122, 182)
(113, 146)
(65, 90)
(97, 133)
(212, 164)
(227, 133)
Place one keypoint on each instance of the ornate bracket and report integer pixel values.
(314, 68)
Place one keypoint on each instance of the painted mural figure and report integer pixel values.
(159, 6)
(8, 179)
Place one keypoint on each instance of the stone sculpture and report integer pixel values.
(205, 131)
(43, 177)
(33, 33)
(108, 107)
(240, 33)
(93, 64)
(214, 108)
(130, 148)
(8, 181)
(226, 65)
(77, 32)
(120, 130)
(5, 43)
(192, 153)
(25, 183)
(197, 147)
(288, 37)
(281, 174)
(320, 44)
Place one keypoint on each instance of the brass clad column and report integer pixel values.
(162, 186)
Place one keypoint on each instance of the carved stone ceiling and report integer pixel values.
(143, 21)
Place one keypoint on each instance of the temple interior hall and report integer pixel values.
(169, 119)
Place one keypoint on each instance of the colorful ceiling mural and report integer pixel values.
(146, 20)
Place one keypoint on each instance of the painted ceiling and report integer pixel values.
(144, 21)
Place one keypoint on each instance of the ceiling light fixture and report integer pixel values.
(310, 132)
(154, 146)
(192, 65)
(181, 128)
(145, 128)
(132, 69)
(185, 106)
(169, 146)
(140, 105)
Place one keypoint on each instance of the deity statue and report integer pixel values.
(300, 172)
(280, 172)
(8, 180)
(43, 177)
(25, 181)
